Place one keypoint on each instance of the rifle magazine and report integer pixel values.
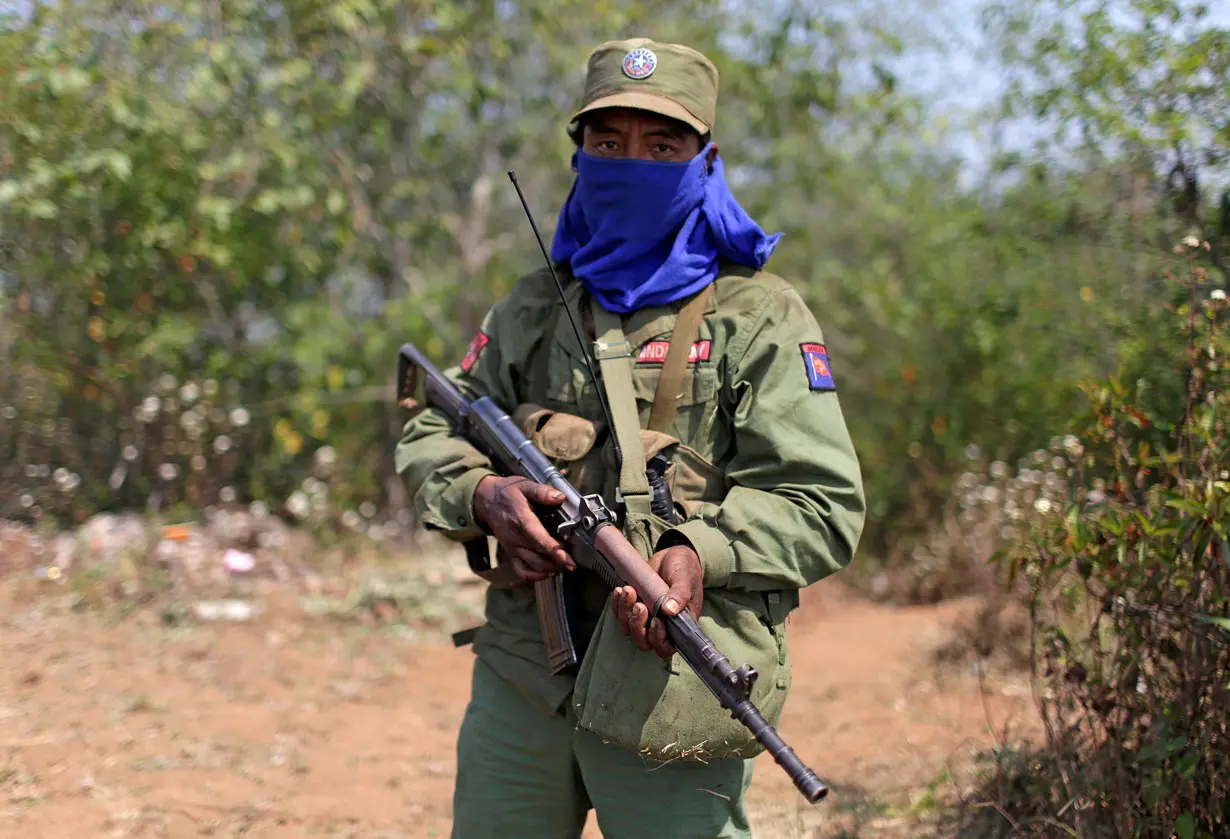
(553, 621)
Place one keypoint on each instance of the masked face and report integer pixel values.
(632, 202)
(649, 215)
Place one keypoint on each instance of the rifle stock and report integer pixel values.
(585, 525)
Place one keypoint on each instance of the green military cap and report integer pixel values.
(668, 79)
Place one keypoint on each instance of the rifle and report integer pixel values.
(586, 526)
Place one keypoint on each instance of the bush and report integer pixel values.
(1129, 593)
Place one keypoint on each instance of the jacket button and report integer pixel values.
(461, 520)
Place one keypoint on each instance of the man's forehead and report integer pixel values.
(623, 119)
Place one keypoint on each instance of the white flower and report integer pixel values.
(1218, 294)
(326, 456)
(227, 495)
(240, 417)
(972, 452)
(26, 499)
(130, 452)
(168, 471)
(298, 504)
(351, 519)
(189, 392)
(1042, 505)
(222, 444)
(999, 470)
(1072, 446)
(1191, 241)
(368, 509)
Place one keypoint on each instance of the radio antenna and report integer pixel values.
(606, 408)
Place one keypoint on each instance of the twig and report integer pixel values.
(994, 805)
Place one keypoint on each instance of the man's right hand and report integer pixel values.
(503, 504)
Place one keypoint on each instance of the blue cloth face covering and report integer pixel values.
(640, 233)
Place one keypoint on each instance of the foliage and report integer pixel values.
(270, 198)
(1147, 80)
(992, 508)
(267, 199)
(1129, 592)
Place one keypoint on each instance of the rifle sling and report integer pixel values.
(666, 396)
(614, 355)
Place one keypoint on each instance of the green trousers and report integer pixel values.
(524, 775)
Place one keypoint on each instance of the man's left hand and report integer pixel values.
(680, 567)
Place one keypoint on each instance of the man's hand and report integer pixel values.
(503, 504)
(680, 567)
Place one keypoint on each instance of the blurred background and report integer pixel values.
(219, 220)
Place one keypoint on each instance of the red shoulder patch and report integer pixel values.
(476, 347)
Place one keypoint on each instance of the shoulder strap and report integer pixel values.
(666, 397)
(614, 356)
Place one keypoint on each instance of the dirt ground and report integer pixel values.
(293, 725)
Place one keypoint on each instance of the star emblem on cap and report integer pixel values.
(640, 63)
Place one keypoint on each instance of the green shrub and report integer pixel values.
(1129, 592)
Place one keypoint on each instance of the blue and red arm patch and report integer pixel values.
(816, 360)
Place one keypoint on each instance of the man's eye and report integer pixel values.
(663, 148)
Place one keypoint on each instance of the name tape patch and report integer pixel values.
(476, 346)
(654, 352)
(816, 360)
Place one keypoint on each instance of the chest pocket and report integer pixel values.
(563, 386)
(692, 476)
(695, 402)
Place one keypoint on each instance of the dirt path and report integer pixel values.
(293, 726)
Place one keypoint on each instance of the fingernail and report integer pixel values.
(672, 604)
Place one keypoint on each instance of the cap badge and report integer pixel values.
(640, 63)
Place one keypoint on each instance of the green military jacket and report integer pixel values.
(762, 466)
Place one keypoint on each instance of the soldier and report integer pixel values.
(711, 365)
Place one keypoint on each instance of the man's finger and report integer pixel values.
(676, 597)
(619, 605)
(658, 640)
(536, 536)
(637, 617)
(524, 571)
(541, 493)
(535, 567)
